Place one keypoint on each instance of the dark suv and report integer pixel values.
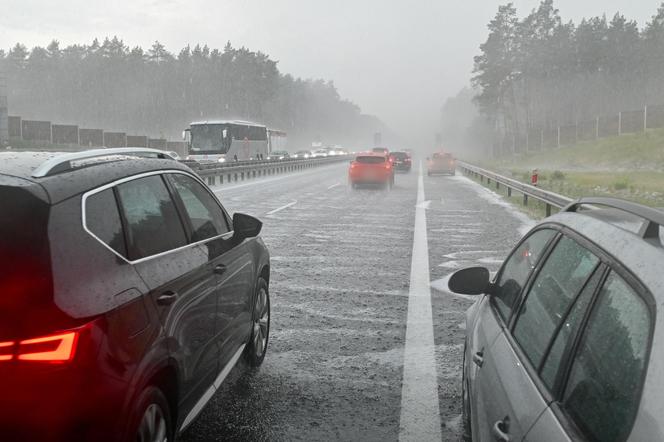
(565, 344)
(127, 294)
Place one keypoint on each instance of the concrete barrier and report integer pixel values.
(36, 130)
(115, 139)
(14, 126)
(91, 137)
(137, 141)
(157, 143)
(64, 134)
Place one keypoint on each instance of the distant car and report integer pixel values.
(278, 155)
(302, 154)
(381, 150)
(564, 344)
(371, 168)
(128, 293)
(401, 161)
(441, 163)
(319, 153)
(174, 155)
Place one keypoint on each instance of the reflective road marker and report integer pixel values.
(420, 413)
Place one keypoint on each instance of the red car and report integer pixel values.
(371, 168)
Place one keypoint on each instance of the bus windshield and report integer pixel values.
(210, 138)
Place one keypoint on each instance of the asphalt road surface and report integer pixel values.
(347, 360)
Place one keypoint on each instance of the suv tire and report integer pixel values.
(260, 325)
(152, 419)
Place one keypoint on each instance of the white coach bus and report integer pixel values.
(231, 140)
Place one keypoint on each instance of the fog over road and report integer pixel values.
(340, 287)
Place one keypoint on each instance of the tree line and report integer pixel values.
(538, 72)
(109, 85)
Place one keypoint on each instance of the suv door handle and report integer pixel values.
(167, 298)
(478, 358)
(219, 269)
(500, 430)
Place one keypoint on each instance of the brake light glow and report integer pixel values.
(55, 348)
(6, 351)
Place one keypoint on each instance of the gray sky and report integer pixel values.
(396, 59)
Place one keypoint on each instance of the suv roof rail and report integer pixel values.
(62, 163)
(653, 218)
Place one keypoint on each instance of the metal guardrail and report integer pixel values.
(551, 199)
(220, 173)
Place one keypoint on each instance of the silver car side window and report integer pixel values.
(604, 387)
(562, 277)
(517, 268)
(567, 332)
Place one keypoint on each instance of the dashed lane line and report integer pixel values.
(420, 411)
(279, 209)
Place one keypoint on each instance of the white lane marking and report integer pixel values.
(333, 186)
(423, 205)
(420, 411)
(279, 209)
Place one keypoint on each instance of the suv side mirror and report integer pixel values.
(246, 226)
(470, 281)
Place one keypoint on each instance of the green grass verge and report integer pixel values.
(630, 166)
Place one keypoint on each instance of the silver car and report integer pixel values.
(566, 342)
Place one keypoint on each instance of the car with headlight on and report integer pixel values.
(302, 154)
(371, 169)
(441, 163)
(278, 155)
(127, 294)
(565, 343)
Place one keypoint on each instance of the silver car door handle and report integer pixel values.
(478, 358)
(500, 430)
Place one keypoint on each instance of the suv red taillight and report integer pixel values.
(56, 348)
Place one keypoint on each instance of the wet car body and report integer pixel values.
(87, 325)
(371, 169)
(566, 342)
(441, 163)
(402, 161)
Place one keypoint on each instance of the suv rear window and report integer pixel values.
(153, 225)
(400, 155)
(370, 160)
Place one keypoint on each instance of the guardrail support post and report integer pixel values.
(497, 185)
(525, 199)
(509, 191)
(221, 179)
(548, 210)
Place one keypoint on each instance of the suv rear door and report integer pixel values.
(230, 262)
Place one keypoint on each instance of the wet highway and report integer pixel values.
(345, 264)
